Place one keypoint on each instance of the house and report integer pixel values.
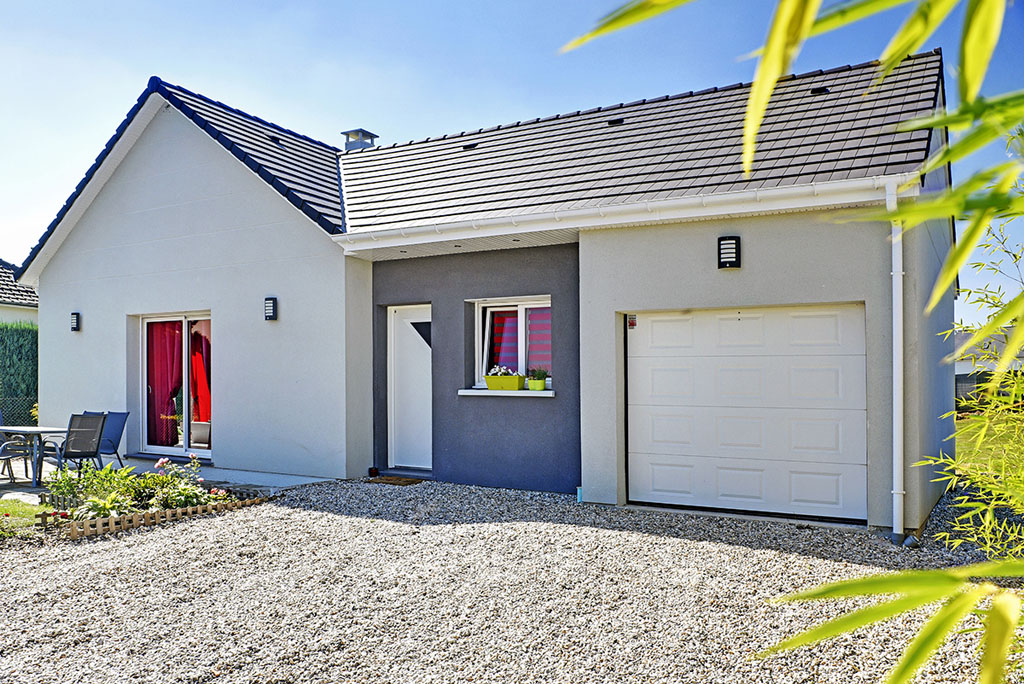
(272, 302)
(18, 303)
(975, 366)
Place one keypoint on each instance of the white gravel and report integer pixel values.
(358, 582)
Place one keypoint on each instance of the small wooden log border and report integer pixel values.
(60, 503)
(78, 529)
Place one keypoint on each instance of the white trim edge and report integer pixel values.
(810, 196)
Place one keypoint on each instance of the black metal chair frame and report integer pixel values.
(81, 443)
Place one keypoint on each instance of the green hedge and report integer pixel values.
(19, 360)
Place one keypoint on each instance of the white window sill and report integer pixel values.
(505, 393)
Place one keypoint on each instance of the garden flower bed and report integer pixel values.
(91, 501)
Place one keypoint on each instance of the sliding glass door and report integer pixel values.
(177, 384)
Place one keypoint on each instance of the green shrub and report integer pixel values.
(19, 360)
(108, 491)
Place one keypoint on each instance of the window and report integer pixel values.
(177, 384)
(514, 333)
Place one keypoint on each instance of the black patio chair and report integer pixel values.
(80, 444)
(113, 428)
(11, 451)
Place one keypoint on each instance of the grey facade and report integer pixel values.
(521, 442)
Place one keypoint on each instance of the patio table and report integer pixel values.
(35, 433)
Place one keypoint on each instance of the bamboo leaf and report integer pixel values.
(918, 27)
(970, 238)
(979, 136)
(982, 25)
(1000, 625)
(935, 632)
(1013, 346)
(1007, 106)
(790, 25)
(855, 620)
(631, 13)
(1011, 310)
(843, 13)
(908, 582)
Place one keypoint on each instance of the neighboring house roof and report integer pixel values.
(650, 150)
(11, 292)
(994, 345)
(820, 126)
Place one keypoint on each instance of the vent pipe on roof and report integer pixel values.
(358, 138)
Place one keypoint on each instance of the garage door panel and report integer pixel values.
(778, 486)
(826, 436)
(757, 409)
(814, 330)
(781, 381)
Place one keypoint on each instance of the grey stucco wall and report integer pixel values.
(793, 259)
(787, 260)
(525, 443)
(929, 379)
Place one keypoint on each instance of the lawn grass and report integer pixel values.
(17, 517)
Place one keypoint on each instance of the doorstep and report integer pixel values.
(412, 473)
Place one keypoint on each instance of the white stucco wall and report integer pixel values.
(18, 314)
(787, 260)
(182, 226)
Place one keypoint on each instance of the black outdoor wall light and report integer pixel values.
(270, 309)
(729, 251)
(76, 321)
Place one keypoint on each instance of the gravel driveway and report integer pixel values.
(359, 582)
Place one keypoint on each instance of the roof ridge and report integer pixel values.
(156, 83)
(635, 103)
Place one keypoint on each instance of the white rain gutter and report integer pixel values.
(773, 200)
(898, 491)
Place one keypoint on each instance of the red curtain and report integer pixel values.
(538, 338)
(163, 376)
(200, 379)
(505, 340)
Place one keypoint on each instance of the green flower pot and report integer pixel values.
(504, 382)
(537, 385)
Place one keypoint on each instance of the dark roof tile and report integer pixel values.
(665, 147)
(13, 293)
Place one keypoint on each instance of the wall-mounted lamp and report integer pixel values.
(76, 321)
(270, 309)
(729, 251)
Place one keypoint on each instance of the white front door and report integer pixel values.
(409, 387)
(759, 409)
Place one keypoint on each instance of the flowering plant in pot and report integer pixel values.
(538, 378)
(504, 378)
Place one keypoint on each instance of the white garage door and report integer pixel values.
(758, 409)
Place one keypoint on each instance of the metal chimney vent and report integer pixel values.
(358, 138)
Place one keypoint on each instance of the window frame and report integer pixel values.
(482, 318)
(186, 436)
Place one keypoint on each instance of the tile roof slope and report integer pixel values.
(302, 169)
(664, 148)
(13, 293)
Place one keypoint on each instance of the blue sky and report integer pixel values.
(404, 70)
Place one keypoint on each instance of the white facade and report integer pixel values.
(182, 227)
(10, 313)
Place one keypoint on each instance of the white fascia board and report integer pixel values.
(809, 197)
(81, 204)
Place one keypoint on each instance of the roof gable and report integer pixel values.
(303, 170)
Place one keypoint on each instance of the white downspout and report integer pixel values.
(897, 368)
